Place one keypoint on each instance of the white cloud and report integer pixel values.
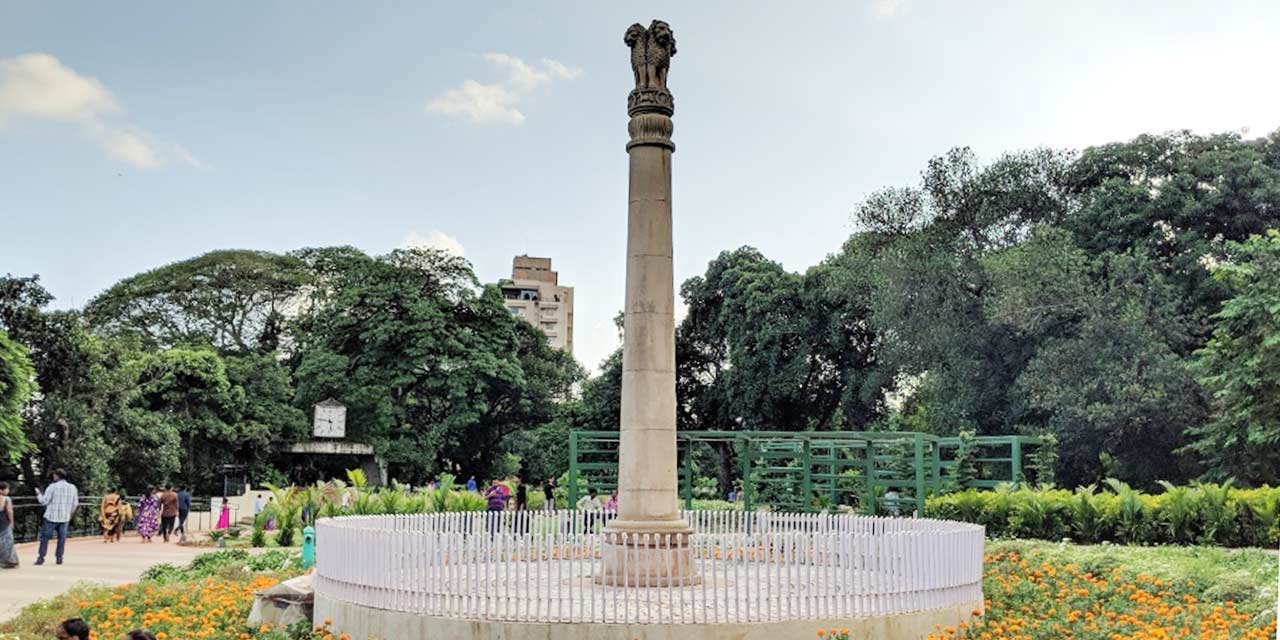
(478, 103)
(886, 9)
(37, 86)
(434, 240)
(497, 103)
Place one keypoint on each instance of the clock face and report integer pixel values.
(330, 421)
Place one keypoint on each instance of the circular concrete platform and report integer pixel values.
(535, 575)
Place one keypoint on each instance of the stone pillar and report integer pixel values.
(648, 491)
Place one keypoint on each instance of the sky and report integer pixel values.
(137, 134)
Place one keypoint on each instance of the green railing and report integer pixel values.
(875, 472)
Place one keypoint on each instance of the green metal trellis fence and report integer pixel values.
(874, 472)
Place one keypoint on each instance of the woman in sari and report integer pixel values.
(224, 517)
(148, 515)
(126, 514)
(109, 515)
(8, 555)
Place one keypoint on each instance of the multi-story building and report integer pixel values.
(534, 293)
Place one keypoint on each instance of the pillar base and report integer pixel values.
(640, 553)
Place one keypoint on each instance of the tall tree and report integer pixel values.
(16, 384)
(434, 370)
(1240, 367)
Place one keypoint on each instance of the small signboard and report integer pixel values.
(330, 419)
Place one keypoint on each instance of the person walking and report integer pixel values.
(258, 506)
(549, 493)
(60, 500)
(522, 496)
(496, 501)
(590, 507)
(184, 510)
(611, 507)
(269, 512)
(168, 511)
(471, 484)
(224, 517)
(149, 515)
(126, 514)
(8, 553)
(109, 515)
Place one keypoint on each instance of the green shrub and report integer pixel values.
(705, 488)
(1203, 514)
(273, 560)
(259, 537)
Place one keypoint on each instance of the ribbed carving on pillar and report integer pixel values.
(651, 128)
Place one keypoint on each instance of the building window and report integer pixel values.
(515, 311)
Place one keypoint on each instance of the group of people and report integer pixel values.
(498, 496)
(78, 629)
(59, 500)
(160, 511)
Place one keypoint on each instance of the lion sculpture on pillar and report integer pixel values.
(651, 51)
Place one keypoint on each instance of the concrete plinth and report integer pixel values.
(658, 561)
(365, 622)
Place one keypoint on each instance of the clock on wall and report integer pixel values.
(330, 419)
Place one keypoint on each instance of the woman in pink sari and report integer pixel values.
(224, 518)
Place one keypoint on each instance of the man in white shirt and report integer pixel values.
(59, 500)
(590, 506)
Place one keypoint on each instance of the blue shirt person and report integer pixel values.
(184, 509)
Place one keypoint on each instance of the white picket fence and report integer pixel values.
(754, 567)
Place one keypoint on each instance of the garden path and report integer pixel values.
(87, 559)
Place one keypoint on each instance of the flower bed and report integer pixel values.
(208, 599)
(1038, 591)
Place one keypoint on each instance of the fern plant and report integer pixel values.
(1178, 512)
(1086, 517)
(1130, 514)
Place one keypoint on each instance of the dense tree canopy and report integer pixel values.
(1240, 367)
(234, 301)
(435, 371)
(1123, 299)
(16, 376)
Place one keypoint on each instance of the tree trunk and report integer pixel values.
(727, 466)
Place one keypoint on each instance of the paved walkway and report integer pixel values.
(87, 559)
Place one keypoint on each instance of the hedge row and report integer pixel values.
(1214, 514)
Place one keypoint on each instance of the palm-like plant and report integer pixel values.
(1086, 517)
(439, 498)
(1130, 514)
(287, 511)
(1216, 515)
(1178, 513)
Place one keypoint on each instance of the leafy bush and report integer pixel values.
(705, 488)
(274, 560)
(1214, 514)
(259, 537)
